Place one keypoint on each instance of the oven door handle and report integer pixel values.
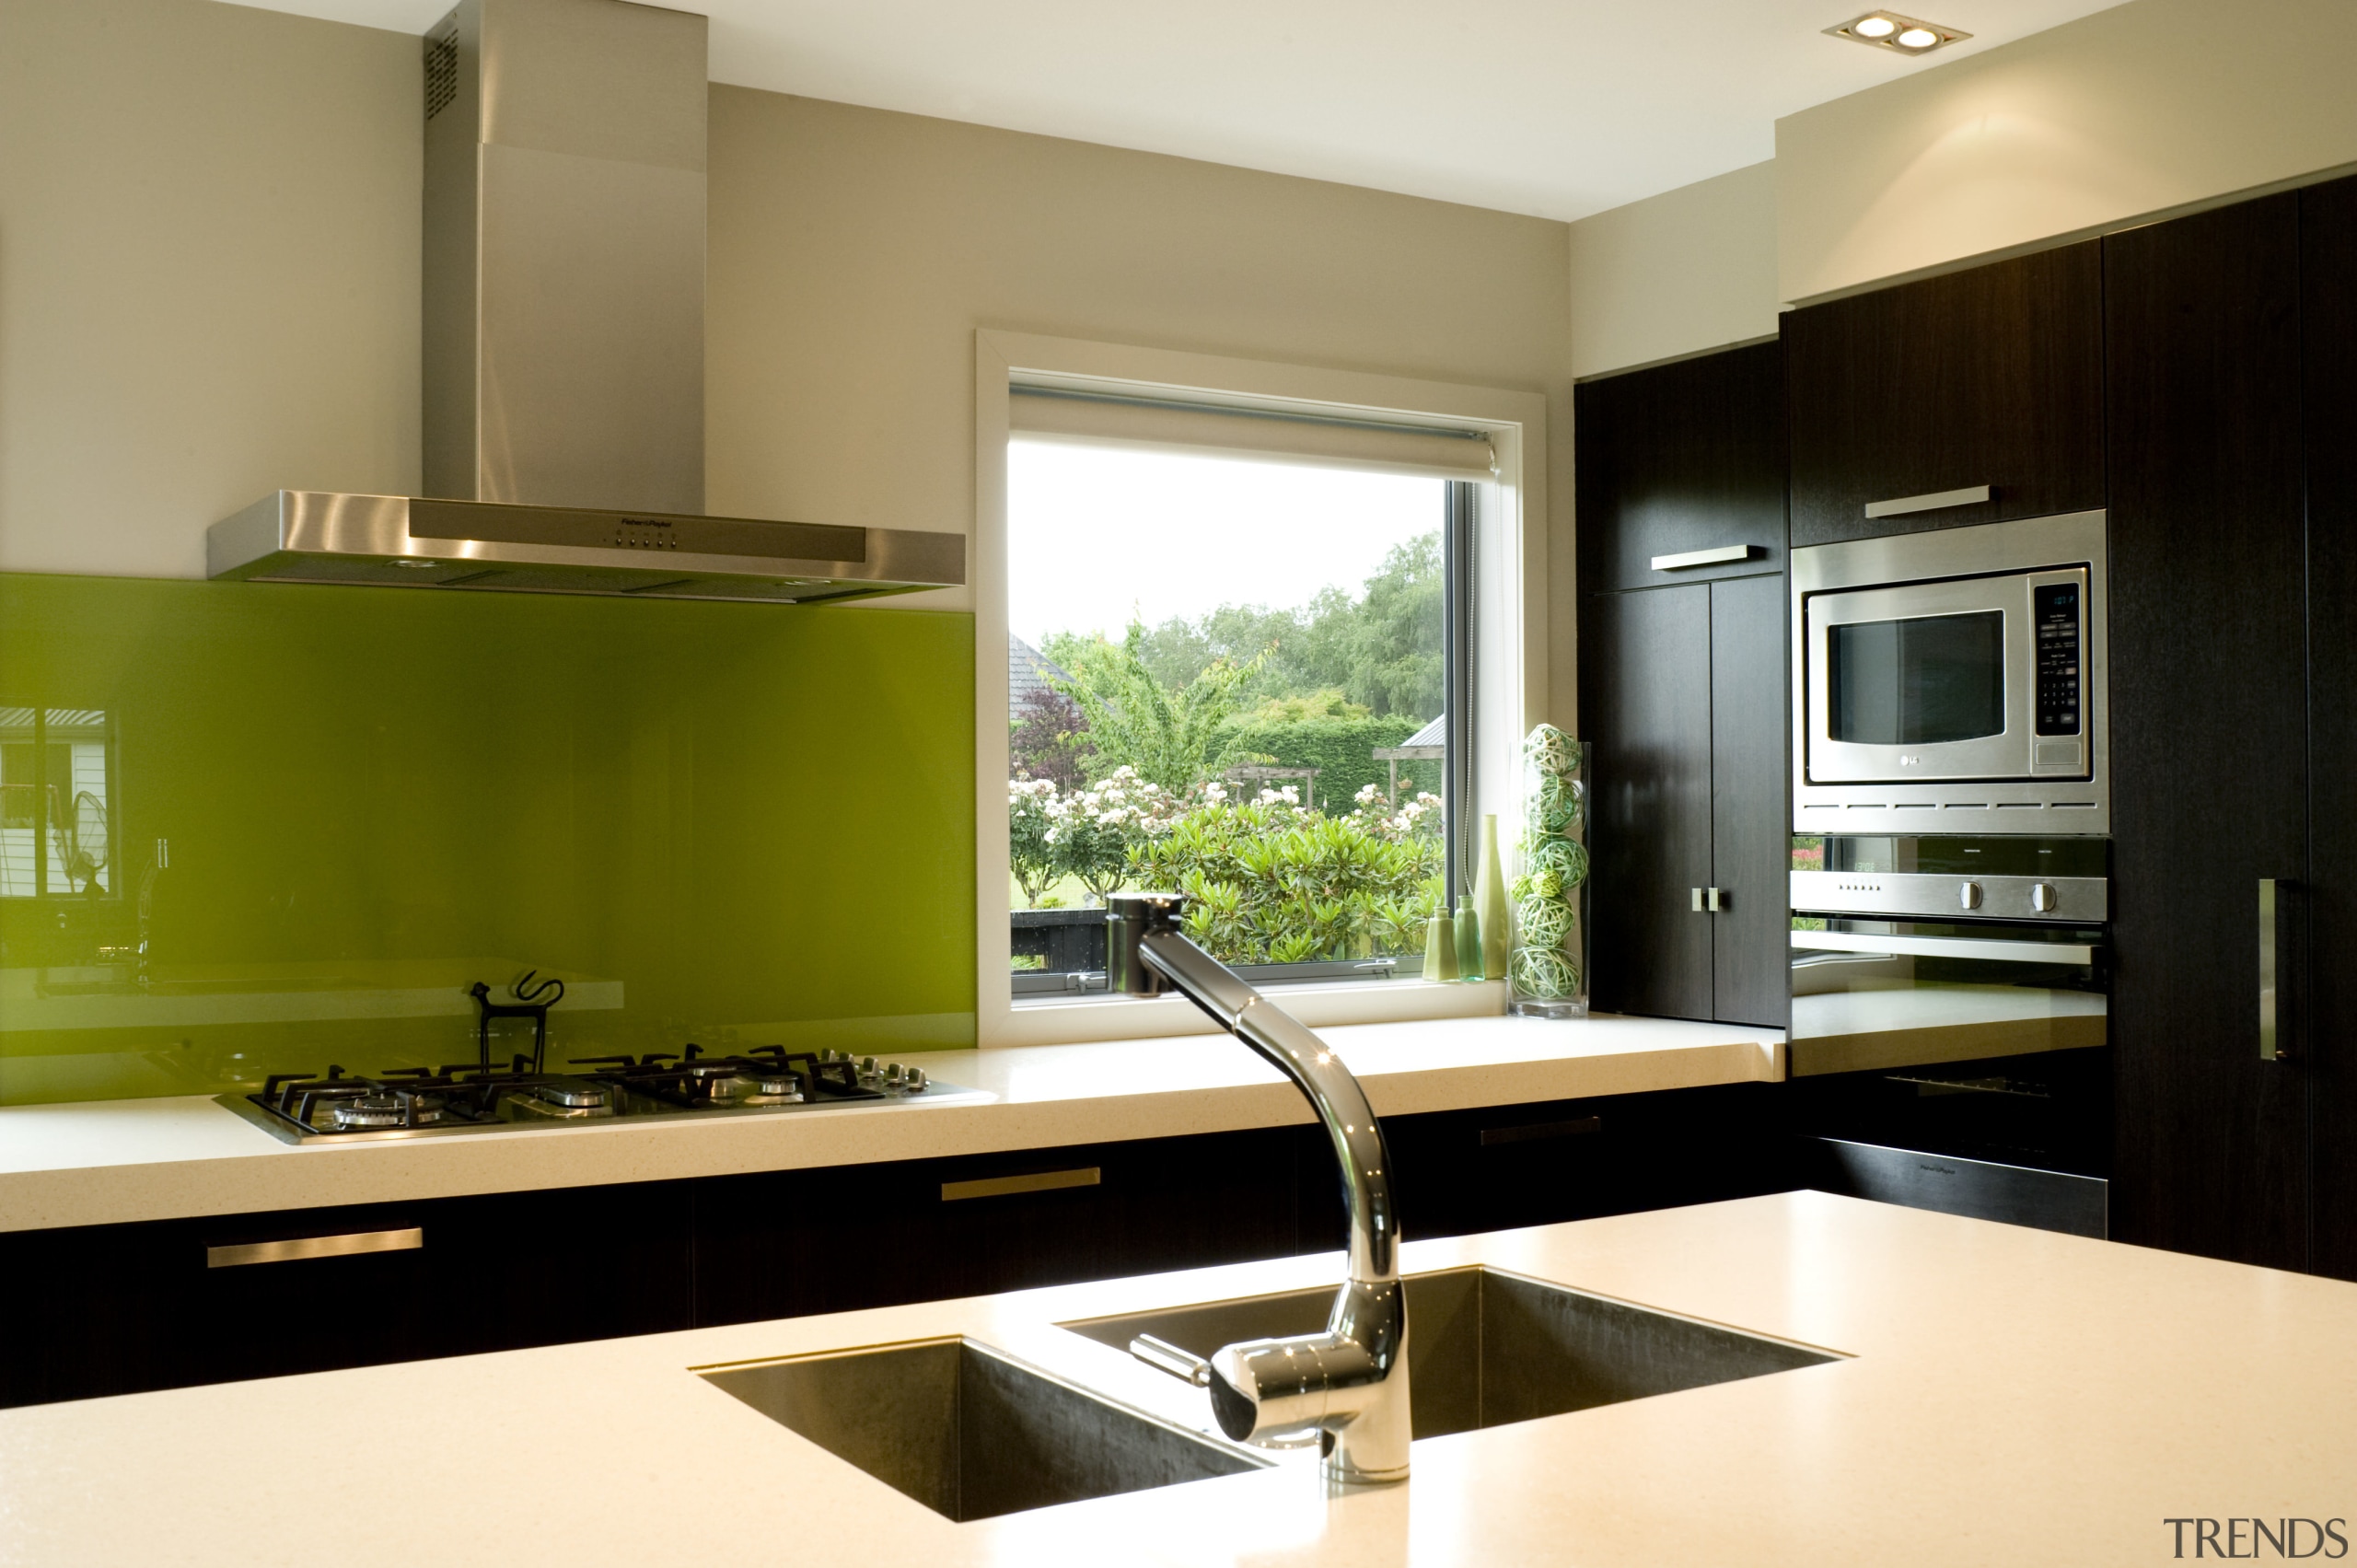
(1990, 948)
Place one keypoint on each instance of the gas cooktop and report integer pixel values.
(415, 1102)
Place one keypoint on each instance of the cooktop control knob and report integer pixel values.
(2044, 897)
(1968, 896)
(912, 1082)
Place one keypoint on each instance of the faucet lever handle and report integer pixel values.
(1164, 1356)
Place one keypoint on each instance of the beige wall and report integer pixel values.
(209, 282)
(2132, 110)
(1689, 270)
(854, 251)
(208, 273)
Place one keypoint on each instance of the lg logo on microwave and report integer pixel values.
(1907, 761)
(2242, 1538)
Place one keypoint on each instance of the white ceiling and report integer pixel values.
(1558, 107)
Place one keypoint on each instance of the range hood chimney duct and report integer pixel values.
(563, 264)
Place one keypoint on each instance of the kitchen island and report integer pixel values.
(1994, 1395)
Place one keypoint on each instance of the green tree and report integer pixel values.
(1381, 649)
(1175, 737)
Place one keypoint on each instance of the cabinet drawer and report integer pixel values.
(1681, 470)
(1917, 396)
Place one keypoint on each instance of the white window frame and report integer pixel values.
(1510, 646)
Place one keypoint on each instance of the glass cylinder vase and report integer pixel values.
(1547, 966)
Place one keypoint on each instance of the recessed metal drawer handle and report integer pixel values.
(2271, 1047)
(1718, 555)
(302, 1246)
(1933, 501)
(1036, 1182)
(1534, 1131)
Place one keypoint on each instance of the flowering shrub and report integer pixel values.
(1269, 881)
(1029, 855)
(1091, 832)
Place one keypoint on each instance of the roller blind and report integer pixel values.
(1058, 413)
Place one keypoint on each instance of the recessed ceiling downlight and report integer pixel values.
(1900, 35)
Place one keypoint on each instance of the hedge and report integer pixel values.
(1344, 751)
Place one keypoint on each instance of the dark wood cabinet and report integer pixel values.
(2328, 331)
(1501, 1166)
(1645, 714)
(2209, 715)
(122, 1308)
(1682, 691)
(787, 1243)
(1682, 458)
(1682, 701)
(1992, 375)
(1751, 822)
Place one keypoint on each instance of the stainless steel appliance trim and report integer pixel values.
(1990, 948)
(2037, 805)
(1930, 895)
(1720, 555)
(1036, 1182)
(2271, 1047)
(324, 536)
(1929, 501)
(2011, 753)
(410, 1240)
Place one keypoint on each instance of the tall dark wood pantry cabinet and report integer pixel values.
(1681, 685)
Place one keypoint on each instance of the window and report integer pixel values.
(1229, 674)
(1240, 603)
(56, 809)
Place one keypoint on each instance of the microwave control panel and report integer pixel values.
(2055, 616)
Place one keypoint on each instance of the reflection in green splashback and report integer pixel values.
(726, 823)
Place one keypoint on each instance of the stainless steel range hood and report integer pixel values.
(564, 344)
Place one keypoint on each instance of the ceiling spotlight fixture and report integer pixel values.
(1900, 35)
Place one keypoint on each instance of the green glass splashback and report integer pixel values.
(733, 824)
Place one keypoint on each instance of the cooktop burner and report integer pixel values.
(410, 1102)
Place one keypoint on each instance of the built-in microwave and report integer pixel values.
(1952, 681)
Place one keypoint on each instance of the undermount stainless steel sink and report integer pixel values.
(1487, 1347)
(970, 1434)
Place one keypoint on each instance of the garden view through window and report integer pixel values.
(1225, 677)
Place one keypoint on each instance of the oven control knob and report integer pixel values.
(914, 1081)
(1968, 896)
(2044, 897)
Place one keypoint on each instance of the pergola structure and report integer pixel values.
(1429, 744)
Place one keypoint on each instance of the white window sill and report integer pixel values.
(1061, 1021)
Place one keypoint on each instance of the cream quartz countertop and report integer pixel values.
(108, 1162)
(2009, 1396)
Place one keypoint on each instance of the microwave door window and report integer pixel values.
(1923, 681)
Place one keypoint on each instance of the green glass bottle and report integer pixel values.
(1468, 940)
(1440, 949)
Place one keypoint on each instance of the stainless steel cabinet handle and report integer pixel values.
(1035, 1181)
(1931, 501)
(2271, 1045)
(1723, 555)
(1990, 948)
(1697, 892)
(1712, 900)
(302, 1246)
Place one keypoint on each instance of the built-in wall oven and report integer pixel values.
(1952, 681)
(1949, 1017)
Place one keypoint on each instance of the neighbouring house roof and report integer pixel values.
(1429, 744)
(1027, 671)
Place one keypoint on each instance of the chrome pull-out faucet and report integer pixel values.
(1346, 1388)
